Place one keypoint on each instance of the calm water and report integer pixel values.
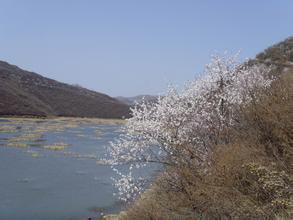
(39, 183)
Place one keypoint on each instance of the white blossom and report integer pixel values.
(182, 126)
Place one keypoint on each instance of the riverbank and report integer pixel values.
(108, 121)
(114, 216)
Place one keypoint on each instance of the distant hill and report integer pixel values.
(279, 56)
(27, 93)
(279, 53)
(137, 99)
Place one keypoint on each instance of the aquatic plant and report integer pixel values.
(20, 145)
(8, 129)
(26, 137)
(35, 154)
(57, 146)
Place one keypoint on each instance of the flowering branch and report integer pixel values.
(183, 126)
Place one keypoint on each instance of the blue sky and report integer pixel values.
(135, 47)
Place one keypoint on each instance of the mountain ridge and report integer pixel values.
(137, 99)
(26, 93)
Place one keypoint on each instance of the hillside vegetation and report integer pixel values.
(27, 93)
(235, 162)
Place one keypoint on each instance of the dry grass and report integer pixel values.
(248, 178)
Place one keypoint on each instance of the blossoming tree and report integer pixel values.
(182, 127)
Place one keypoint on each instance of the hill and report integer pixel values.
(137, 99)
(280, 53)
(278, 56)
(25, 93)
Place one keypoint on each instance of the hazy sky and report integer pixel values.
(135, 47)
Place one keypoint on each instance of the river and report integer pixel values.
(52, 169)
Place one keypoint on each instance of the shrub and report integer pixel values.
(225, 142)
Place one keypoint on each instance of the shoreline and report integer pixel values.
(110, 121)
